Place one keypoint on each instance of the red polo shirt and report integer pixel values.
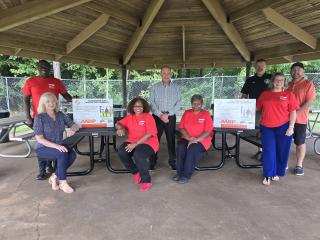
(276, 107)
(196, 124)
(304, 90)
(36, 86)
(138, 126)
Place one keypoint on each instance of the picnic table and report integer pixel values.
(11, 124)
(311, 133)
(226, 150)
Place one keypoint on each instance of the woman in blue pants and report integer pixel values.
(49, 126)
(278, 117)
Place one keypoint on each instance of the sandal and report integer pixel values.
(53, 182)
(275, 178)
(65, 187)
(266, 181)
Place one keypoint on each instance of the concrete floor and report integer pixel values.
(230, 203)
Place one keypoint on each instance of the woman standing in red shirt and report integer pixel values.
(196, 127)
(142, 141)
(277, 125)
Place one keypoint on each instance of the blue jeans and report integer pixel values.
(188, 158)
(64, 159)
(276, 148)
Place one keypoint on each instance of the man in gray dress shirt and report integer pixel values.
(165, 100)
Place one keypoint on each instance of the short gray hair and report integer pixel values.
(45, 97)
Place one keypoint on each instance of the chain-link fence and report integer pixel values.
(210, 88)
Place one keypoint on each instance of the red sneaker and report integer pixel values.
(137, 178)
(145, 186)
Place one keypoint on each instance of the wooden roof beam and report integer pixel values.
(288, 58)
(162, 61)
(296, 58)
(252, 8)
(217, 11)
(32, 44)
(90, 62)
(306, 57)
(57, 57)
(285, 50)
(34, 10)
(17, 50)
(290, 27)
(87, 32)
(47, 56)
(3, 4)
(187, 23)
(149, 15)
(118, 14)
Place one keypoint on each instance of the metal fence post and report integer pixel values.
(213, 89)
(107, 89)
(221, 86)
(7, 92)
(84, 86)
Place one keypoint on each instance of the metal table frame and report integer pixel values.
(312, 123)
(226, 151)
(91, 133)
(310, 128)
(11, 123)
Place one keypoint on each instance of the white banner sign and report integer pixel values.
(91, 113)
(234, 113)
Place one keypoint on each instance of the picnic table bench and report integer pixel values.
(11, 124)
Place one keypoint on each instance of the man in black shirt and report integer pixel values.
(258, 83)
(254, 86)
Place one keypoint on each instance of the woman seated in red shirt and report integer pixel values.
(277, 123)
(196, 127)
(142, 141)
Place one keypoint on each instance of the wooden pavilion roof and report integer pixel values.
(149, 33)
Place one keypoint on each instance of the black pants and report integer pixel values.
(44, 165)
(170, 131)
(137, 160)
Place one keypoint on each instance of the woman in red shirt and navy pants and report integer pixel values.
(142, 141)
(196, 127)
(278, 117)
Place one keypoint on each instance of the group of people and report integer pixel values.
(139, 152)
(49, 124)
(284, 114)
(283, 110)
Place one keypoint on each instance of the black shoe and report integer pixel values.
(152, 167)
(183, 180)
(42, 176)
(257, 156)
(49, 170)
(173, 167)
(176, 177)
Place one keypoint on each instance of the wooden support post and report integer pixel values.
(201, 72)
(188, 73)
(248, 68)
